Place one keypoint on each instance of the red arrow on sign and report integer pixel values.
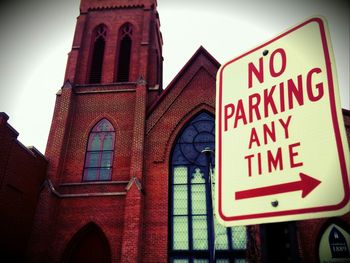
(306, 185)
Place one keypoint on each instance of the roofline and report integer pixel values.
(200, 50)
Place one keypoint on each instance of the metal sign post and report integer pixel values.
(207, 151)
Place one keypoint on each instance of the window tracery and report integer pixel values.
(100, 35)
(124, 54)
(189, 196)
(99, 154)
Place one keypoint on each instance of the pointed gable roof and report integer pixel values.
(201, 60)
(201, 51)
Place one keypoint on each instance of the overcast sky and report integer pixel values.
(36, 36)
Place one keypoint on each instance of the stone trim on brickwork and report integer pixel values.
(59, 195)
(94, 183)
(130, 83)
(137, 182)
(141, 81)
(104, 91)
(156, 87)
(105, 88)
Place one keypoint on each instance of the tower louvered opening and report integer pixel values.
(97, 55)
(124, 53)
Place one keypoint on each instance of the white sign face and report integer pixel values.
(281, 147)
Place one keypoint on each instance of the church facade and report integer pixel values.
(126, 163)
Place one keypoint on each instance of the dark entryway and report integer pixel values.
(279, 243)
(89, 245)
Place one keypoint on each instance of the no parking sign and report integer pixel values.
(282, 151)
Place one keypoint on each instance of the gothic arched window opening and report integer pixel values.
(89, 238)
(190, 233)
(99, 153)
(124, 54)
(99, 43)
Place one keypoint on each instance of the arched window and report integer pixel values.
(190, 234)
(124, 54)
(99, 42)
(99, 154)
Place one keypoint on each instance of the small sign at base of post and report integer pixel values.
(281, 146)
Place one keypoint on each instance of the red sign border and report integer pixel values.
(336, 129)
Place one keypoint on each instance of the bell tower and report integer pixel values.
(116, 41)
(95, 148)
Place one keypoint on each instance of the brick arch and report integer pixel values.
(126, 23)
(100, 25)
(94, 121)
(134, 26)
(89, 238)
(166, 152)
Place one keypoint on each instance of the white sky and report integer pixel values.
(36, 36)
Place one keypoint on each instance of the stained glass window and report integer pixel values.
(190, 234)
(99, 154)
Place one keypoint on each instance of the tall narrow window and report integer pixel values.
(124, 54)
(190, 235)
(98, 54)
(99, 154)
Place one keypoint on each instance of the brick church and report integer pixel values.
(124, 174)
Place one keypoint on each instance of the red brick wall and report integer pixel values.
(74, 213)
(22, 172)
(118, 108)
